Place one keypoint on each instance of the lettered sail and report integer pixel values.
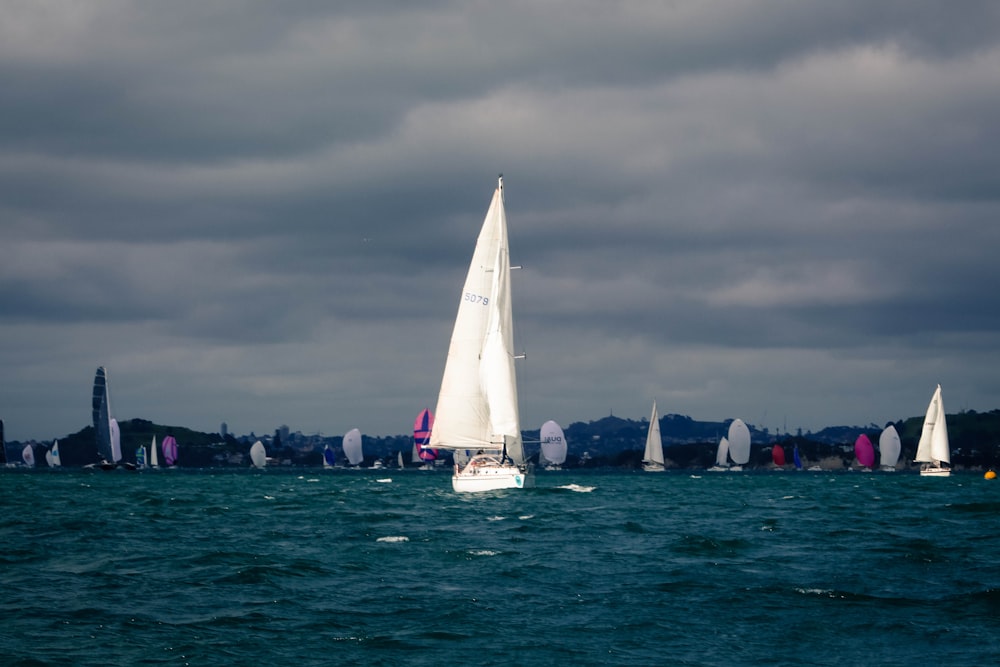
(477, 409)
(553, 447)
(933, 450)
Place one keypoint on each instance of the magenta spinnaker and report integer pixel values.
(864, 451)
(422, 427)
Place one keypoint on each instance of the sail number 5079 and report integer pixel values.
(476, 298)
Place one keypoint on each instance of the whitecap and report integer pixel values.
(525, 517)
(496, 518)
(483, 552)
(393, 538)
(268, 497)
(577, 488)
(313, 479)
(384, 480)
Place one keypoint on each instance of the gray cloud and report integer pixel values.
(783, 211)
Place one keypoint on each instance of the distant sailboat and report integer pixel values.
(109, 451)
(553, 448)
(52, 456)
(864, 451)
(423, 425)
(933, 450)
(329, 459)
(170, 451)
(889, 448)
(778, 455)
(28, 455)
(721, 456)
(652, 457)
(258, 456)
(797, 458)
(140, 457)
(352, 447)
(154, 457)
(477, 406)
(739, 444)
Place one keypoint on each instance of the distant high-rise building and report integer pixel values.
(224, 429)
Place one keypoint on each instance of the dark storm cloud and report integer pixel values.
(262, 213)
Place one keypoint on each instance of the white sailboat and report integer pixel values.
(352, 447)
(652, 458)
(721, 456)
(739, 444)
(477, 407)
(258, 456)
(552, 453)
(154, 458)
(28, 455)
(933, 450)
(888, 448)
(52, 456)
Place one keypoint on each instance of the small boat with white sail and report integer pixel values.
(739, 444)
(933, 450)
(652, 457)
(352, 448)
(552, 453)
(889, 447)
(258, 455)
(477, 408)
(52, 456)
(721, 456)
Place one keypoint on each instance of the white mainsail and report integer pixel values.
(652, 457)
(933, 449)
(154, 458)
(52, 456)
(889, 447)
(722, 453)
(477, 408)
(739, 442)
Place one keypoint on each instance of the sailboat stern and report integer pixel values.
(488, 472)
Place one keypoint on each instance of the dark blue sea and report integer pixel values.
(309, 567)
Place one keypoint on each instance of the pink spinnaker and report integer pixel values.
(864, 451)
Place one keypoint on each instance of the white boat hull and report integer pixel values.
(653, 467)
(935, 471)
(476, 477)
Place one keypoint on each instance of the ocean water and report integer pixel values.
(309, 567)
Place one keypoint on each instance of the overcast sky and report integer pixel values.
(262, 213)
